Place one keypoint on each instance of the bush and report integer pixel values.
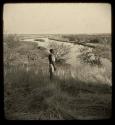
(61, 51)
(71, 38)
(94, 41)
(103, 51)
(12, 41)
(89, 57)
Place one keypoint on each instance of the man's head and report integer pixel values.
(51, 51)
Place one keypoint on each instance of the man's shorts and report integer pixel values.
(51, 68)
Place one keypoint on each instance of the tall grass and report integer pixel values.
(33, 96)
(83, 92)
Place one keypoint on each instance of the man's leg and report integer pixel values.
(51, 75)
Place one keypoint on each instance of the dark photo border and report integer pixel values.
(2, 115)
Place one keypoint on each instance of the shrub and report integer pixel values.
(94, 41)
(89, 57)
(71, 38)
(61, 51)
(12, 41)
(103, 51)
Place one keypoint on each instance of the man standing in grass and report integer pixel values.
(52, 67)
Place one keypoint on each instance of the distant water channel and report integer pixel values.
(74, 49)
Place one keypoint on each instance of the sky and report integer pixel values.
(57, 18)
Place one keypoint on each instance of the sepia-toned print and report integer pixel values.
(57, 61)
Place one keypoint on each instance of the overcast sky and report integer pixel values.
(57, 18)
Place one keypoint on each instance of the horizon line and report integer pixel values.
(58, 33)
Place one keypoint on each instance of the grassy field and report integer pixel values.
(81, 93)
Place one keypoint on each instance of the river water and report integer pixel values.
(100, 74)
(75, 49)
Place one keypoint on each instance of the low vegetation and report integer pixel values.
(89, 57)
(61, 51)
(80, 93)
(41, 40)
